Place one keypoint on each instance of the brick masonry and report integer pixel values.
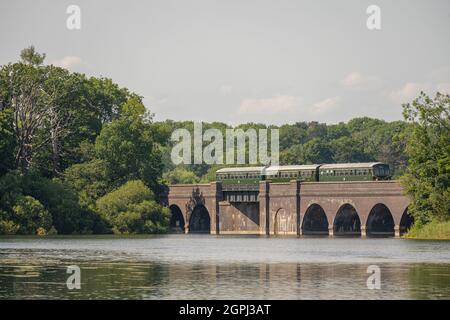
(282, 206)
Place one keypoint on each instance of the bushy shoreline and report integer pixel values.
(431, 231)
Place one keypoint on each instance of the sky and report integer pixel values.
(239, 61)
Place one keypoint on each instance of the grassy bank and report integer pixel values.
(431, 231)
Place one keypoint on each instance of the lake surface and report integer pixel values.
(222, 267)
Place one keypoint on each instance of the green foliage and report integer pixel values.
(59, 199)
(30, 215)
(345, 149)
(67, 140)
(7, 140)
(10, 190)
(433, 230)
(89, 154)
(132, 209)
(89, 180)
(314, 151)
(128, 148)
(7, 226)
(427, 178)
(180, 175)
(31, 56)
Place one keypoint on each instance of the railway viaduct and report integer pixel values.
(363, 209)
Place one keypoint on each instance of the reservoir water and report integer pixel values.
(223, 267)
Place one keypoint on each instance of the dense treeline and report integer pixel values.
(427, 178)
(359, 140)
(83, 155)
(71, 147)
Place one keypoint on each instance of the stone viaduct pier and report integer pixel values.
(375, 208)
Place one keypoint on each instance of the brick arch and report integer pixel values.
(315, 220)
(199, 220)
(177, 219)
(347, 220)
(406, 221)
(188, 197)
(380, 221)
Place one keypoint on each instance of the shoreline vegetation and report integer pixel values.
(433, 230)
(82, 155)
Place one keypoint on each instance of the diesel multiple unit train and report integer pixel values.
(237, 180)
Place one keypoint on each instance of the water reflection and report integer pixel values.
(183, 267)
(140, 280)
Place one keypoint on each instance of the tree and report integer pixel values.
(317, 151)
(7, 140)
(31, 56)
(89, 180)
(58, 199)
(128, 147)
(60, 94)
(427, 178)
(347, 150)
(180, 175)
(21, 93)
(132, 209)
(30, 215)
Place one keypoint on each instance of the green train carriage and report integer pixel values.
(247, 178)
(363, 171)
(291, 172)
(240, 178)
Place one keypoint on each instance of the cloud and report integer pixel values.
(325, 105)
(269, 106)
(226, 89)
(68, 62)
(357, 80)
(411, 90)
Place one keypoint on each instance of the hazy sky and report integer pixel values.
(238, 60)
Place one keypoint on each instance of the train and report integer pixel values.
(247, 178)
